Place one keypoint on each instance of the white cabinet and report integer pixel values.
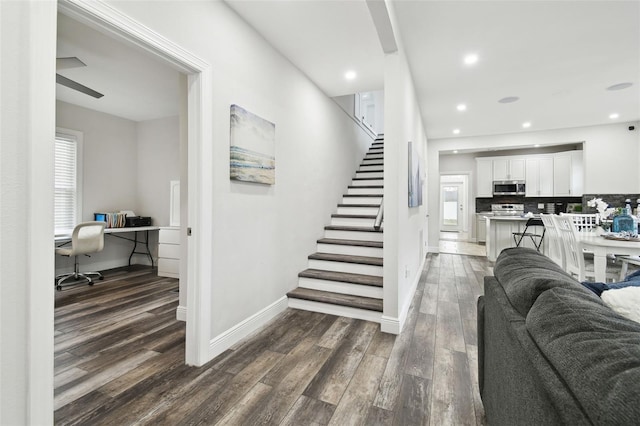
(481, 228)
(509, 169)
(484, 177)
(539, 176)
(568, 176)
(169, 252)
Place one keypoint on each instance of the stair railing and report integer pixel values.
(379, 217)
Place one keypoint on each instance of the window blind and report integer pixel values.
(66, 182)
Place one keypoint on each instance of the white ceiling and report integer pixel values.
(135, 85)
(556, 56)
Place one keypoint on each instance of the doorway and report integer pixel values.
(453, 203)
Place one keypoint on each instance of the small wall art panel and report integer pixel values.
(415, 178)
(252, 157)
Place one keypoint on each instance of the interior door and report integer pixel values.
(451, 207)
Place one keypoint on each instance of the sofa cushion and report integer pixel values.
(594, 350)
(525, 274)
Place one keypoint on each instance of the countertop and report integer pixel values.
(509, 218)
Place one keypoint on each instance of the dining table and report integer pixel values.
(601, 247)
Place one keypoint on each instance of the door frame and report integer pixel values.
(111, 21)
(461, 200)
(466, 194)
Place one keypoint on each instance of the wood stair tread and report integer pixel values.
(351, 228)
(356, 243)
(347, 258)
(344, 277)
(369, 171)
(363, 195)
(366, 186)
(354, 216)
(357, 302)
(368, 178)
(372, 164)
(359, 205)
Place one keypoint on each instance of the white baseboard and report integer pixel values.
(227, 339)
(389, 325)
(181, 313)
(433, 249)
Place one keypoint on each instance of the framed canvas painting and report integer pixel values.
(252, 140)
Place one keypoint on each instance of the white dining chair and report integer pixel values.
(584, 222)
(576, 264)
(556, 252)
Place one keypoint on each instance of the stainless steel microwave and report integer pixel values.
(508, 187)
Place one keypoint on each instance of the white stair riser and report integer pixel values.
(366, 182)
(353, 235)
(364, 168)
(370, 161)
(374, 157)
(340, 287)
(351, 268)
(362, 200)
(349, 250)
(370, 175)
(344, 311)
(370, 191)
(375, 151)
(358, 210)
(349, 221)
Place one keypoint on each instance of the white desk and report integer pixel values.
(66, 236)
(601, 246)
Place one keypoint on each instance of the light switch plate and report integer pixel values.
(541, 205)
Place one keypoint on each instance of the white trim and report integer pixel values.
(181, 313)
(114, 23)
(342, 311)
(230, 337)
(395, 325)
(390, 325)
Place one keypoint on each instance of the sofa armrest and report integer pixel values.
(480, 332)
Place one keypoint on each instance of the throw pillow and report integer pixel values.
(625, 301)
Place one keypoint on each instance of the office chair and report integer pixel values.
(87, 237)
(536, 238)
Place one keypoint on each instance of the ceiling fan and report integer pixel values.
(73, 62)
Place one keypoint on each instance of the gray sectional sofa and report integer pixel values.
(550, 352)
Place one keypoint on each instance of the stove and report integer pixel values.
(507, 209)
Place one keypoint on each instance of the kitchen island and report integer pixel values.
(500, 231)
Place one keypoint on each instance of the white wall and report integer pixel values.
(403, 226)
(127, 165)
(262, 234)
(158, 155)
(610, 156)
(27, 29)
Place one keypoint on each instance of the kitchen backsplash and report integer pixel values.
(530, 203)
(614, 200)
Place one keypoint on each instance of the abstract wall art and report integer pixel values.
(252, 157)
(415, 177)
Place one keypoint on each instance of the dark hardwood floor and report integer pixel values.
(119, 359)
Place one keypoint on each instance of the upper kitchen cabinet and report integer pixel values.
(539, 176)
(568, 175)
(484, 177)
(509, 169)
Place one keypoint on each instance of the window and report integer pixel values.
(68, 180)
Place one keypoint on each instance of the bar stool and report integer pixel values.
(536, 238)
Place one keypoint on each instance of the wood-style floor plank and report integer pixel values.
(120, 359)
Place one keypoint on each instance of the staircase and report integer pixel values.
(345, 274)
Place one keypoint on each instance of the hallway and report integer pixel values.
(457, 243)
(301, 368)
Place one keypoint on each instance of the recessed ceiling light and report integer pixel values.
(537, 145)
(456, 131)
(455, 151)
(471, 59)
(614, 116)
(508, 99)
(461, 107)
(350, 75)
(619, 86)
(526, 125)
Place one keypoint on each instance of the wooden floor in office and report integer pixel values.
(120, 359)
